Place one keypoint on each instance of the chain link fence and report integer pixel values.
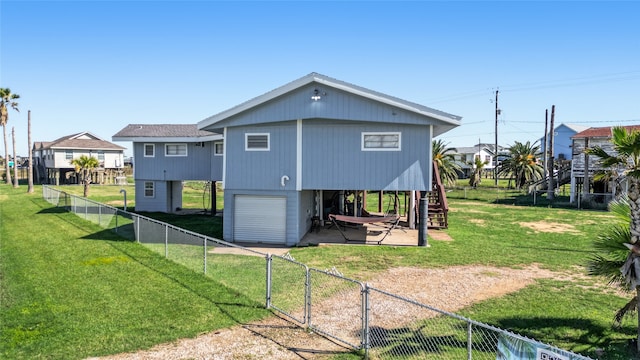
(380, 324)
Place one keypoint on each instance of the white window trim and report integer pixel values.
(246, 141)
(144, 150)
(186, 150)
(153, 189)
(399, 148)
(215, 146)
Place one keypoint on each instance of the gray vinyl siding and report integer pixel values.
(336, 104)
(199, 164)
(332, 158)
(156, 203)
(293, 232)
(261, 170)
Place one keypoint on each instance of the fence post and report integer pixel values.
(100, 215)
(117, 220)
(269, 260)
(365, 342)
(469, 340)
(204, 243)
(307, 286)
(138, 229)
(166, 241)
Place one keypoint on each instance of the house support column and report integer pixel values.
(214, 201)
(411, 212)
(424, 219)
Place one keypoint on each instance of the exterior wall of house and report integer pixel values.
(159, 202)
(562, 143)
(199, 164)
(294, 230)
(333, 159)
(335, 104)
(58, 159)
(261, 170)
(578, 161)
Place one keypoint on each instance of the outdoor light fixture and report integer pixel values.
(316, 95)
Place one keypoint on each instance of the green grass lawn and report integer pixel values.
(72, 290)
(73, 255)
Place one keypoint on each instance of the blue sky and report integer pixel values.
(100, 65)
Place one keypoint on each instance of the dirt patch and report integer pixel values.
(449, 289)
(550, 227)
(477, 221)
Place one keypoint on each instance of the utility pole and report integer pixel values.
(546, 147)
(495, 166)
(551, 185)
(30, 169)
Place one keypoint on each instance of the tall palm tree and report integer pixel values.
(522, 163)
(85, 164)
(444, 158)
(626, 161)
(7, 99)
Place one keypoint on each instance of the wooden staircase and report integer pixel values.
(438, 207)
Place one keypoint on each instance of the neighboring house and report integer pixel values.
(165, 156)
(465, 158)
(589, 164)
(52, 160)
(289, 152)
(562, 140)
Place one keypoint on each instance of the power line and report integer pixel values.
(584, 80)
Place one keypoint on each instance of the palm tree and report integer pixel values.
(444, 158)
(7, 99)
(522, 163)
(85, 164)
(476, 175)
(626, 162)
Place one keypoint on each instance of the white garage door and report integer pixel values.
(260, 219)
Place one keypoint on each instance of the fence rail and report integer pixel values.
(381, 324)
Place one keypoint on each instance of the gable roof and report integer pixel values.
(604, 132)
(445, 118)
(575, 127)
(83, 140)
(164, 132)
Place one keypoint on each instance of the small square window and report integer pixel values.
(218, 149)
(257, 142)
(149, 189)
(149, 150)
(68, 154)
(100, 155)
(175, 149)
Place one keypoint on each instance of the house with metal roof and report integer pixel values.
(165, 155)
(52, 159)
(289, 153)
(584, 167)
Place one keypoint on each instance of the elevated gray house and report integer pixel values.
(289, 151)
(288, 154)
(165, 156)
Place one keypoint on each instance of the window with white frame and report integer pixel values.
(218, 148)
(149, 150)
(256, 142)
(175, 149)
(100, 155)
(68, 154)
(381, 141)
(149, 189)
